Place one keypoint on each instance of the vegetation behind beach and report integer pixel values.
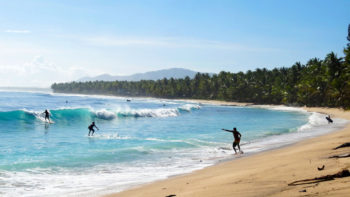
(317, 83)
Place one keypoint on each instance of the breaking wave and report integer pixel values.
(88, 113)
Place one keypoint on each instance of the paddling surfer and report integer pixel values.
(47, 115)
(91, 129)
(237, 139)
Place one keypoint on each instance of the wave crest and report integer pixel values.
(315, 119)
(105, 114)
(188, 107)
(89, 113)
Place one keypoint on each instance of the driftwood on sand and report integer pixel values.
(341, 174)
(343, 145)
(321, 168)
(340, 156)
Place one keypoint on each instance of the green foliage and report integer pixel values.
(318, 83)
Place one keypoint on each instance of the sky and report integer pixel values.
(47, 41)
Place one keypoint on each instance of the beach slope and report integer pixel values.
(268, 173)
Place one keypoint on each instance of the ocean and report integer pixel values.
(138, 141)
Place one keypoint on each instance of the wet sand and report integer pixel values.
(267, 173)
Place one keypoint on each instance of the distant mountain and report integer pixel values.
(153, 75)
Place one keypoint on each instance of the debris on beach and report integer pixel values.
(321, 168)
(343, 146)
(340, 156)
(340, 174)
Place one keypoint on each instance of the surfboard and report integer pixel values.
(49, 121)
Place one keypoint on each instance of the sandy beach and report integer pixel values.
(267, 173)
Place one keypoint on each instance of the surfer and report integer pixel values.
(329, 119)
(47, 115)
(237, 139)
(91, 129)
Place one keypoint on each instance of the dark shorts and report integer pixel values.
(236, 142)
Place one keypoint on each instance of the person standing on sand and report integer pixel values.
(91, 129)
(237, 139)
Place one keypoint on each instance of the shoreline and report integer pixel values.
(214, 102)
(293, 162)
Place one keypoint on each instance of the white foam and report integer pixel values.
(279, 108)
(110, 136)
(105, 114)
(189, 107)
(38, 115)
(126, 111)
(315, 119)
(95, 181)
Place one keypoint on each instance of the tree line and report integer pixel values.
(319, 82)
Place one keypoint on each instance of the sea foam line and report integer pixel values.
(158, 112)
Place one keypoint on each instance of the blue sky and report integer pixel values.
(42, 41)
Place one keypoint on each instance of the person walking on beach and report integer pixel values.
(47, 115)
(91, 129)
(237, 139)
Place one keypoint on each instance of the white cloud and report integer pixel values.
(16, 31)
(39, 73)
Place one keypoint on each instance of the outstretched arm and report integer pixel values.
(227, 130)
(97, 127)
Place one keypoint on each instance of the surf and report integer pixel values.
(75, 114)
(165, 138)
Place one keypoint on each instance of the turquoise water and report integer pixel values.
(138, 141)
